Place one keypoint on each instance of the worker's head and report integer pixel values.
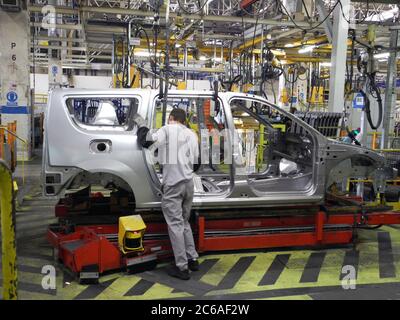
(177, 116)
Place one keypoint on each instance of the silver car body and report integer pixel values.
(70, 156)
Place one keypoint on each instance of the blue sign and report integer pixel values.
(358, 101)
(12, 96)
(382, 83)
(54, 70)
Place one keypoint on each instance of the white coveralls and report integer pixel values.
(177, 151)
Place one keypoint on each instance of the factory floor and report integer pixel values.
(285, 274)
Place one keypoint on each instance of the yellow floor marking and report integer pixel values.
(160, 291)
(157, 291)
(331, 268)
(119, 287)
(27, 295)
(70, 291)
(289, 277)
(250, 279)
(220, 269)
(34, 278)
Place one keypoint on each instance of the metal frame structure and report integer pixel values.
(89, 26)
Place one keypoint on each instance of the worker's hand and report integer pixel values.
(139, 120)
(142, 135)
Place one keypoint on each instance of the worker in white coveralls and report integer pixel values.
(178, 153)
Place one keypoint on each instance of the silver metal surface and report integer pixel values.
(67, 151)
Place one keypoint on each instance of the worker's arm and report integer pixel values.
(147, 138)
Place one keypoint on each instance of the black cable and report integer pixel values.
(305, 8)
(367, 109)
(312, 28)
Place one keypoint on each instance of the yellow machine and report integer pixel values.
(130, 233)
(284, 98)
(181, 85)
(317, 95)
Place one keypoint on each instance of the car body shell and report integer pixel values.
(68, 153)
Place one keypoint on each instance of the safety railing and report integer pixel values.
(374, 140)
(7, 221)
(41, 98)
(8, 134)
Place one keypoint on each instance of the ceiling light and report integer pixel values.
(383, 55)
(203, 58)
(307, 49)
(146, 54)
(289, 45)
(278, 52)
(325, 64)
(178, 45)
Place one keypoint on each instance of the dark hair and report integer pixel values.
(178, 115)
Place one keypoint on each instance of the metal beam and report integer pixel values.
(390, 92)
(131, 12)
(338, 58)
(378, 1)
(324, 13)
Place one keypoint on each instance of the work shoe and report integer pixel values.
(193, 265)
(175, 272)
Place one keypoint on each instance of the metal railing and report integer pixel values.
(7, 221)
(11, 130)
(41, 98)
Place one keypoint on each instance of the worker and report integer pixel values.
(178, 145)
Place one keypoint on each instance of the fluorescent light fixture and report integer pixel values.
(325, 64)
(146, 54)
(203, 58)
(383, 55)
(289, 45)
(307, 49)
(278, 52)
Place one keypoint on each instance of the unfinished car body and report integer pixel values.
(253, 153)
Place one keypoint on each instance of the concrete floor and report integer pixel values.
(286, 274)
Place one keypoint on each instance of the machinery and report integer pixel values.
(91, 245)
(130, 233)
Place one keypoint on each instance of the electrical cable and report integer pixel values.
(307, 29)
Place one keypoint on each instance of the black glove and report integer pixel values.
(142, 137)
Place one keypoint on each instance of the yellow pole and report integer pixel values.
(374, 137)
(7, 220)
